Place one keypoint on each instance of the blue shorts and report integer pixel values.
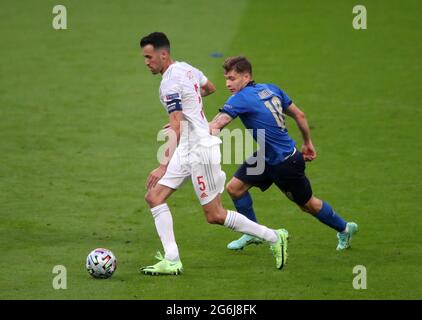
(289, 176)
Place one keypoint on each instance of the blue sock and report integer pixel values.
(327, 216)
(244, 206)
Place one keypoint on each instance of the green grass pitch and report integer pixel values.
(79, 115)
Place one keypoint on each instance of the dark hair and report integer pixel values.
(239, 64)
(157, 39)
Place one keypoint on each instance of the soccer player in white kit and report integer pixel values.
(197, 156)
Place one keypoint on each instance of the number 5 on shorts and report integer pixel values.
(201, 183)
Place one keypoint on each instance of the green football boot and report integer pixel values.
(279, 249)
(243, 241)
(164, 267)
(345, 238)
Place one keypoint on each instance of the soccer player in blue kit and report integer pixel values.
(263, 107)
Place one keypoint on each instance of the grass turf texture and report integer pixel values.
(79, 115)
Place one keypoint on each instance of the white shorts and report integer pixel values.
(202, 165)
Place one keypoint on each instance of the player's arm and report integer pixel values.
(221, 120)
(207, 88)
(175, 118)
(299, 116)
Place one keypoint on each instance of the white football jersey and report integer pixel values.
(180, 89)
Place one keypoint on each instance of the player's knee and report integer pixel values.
(313, 206)
(151, 199)
(148, 198)
(233, 190)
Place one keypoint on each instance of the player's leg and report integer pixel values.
(239, 193)
(163, 220)
(242, 200)
(291, 179)
(158, 195)
(170, 263)
(208, 181)
(156, 198)
(216, 214)
(325, 213)
(238, 189)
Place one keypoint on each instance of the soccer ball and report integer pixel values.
(101, 263)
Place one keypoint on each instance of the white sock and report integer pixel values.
(164, 225)
(239, 222)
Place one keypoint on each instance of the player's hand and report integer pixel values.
(155, 176)
(308, 151)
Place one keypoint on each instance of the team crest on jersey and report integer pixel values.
(189, 74)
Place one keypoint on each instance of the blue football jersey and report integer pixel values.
(262, 106)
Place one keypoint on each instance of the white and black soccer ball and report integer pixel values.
(101, 263)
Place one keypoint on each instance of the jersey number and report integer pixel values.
(201, 183)
(274, 105)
